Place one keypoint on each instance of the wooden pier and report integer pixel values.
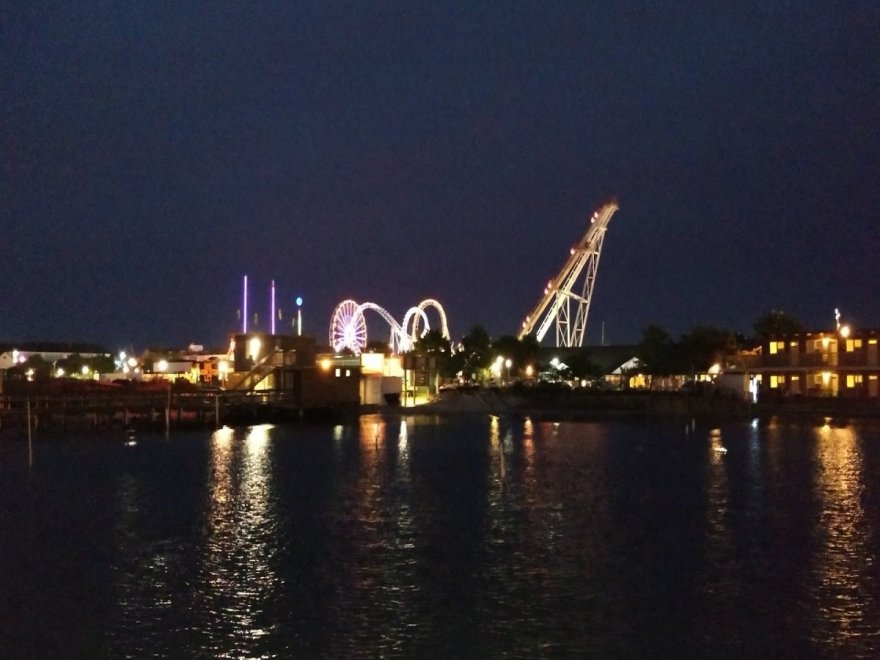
(154, 410)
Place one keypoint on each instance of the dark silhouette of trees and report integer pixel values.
(776, 323)
(433, 343)
(657, 352)
(474, 354)
(695, 352)
(704, 346)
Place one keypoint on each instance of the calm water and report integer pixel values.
(445, 538)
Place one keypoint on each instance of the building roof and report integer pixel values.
(607, 358)
(51, 347)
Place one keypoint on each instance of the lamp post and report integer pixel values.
(299, 318)
(507, 364)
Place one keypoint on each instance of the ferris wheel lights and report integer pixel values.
(348, 328)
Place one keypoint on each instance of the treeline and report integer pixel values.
(705, 346)
(659, 354)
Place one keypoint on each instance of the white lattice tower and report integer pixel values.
(566, 299)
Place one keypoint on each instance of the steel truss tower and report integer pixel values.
(567, 297)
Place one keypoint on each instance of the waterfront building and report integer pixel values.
(291, 365)
(12, 355)
(28, 361)
(841, 363)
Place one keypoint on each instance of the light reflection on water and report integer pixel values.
(476, 537)
(845, 602)
(238, 575)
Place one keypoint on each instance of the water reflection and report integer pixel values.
(474, 537)
(846, 559)
(146, 566)
(374, 519)
(238, 569)
(720, 555)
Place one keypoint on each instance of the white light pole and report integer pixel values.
(244, 308)
(272, 311)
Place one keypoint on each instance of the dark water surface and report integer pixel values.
(445, 538)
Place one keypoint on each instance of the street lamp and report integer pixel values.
(507, 364)
(496, 367)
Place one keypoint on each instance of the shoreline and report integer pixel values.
(148, 414)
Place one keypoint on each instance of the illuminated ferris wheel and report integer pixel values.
(348, 329)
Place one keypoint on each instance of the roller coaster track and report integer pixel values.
(566, 299)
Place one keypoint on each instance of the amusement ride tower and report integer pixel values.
(567, 297)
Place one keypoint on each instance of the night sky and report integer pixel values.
(155, 152)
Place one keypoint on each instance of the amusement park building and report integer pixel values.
(291, 364)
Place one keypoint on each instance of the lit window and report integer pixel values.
(777, 381)
(795, 377)
(853, 344)
(338, 372)
(873, 342)
(776, 347)
(347, 373)
(853, 380)
(793, 344)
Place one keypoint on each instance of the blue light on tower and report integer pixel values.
(299, 318)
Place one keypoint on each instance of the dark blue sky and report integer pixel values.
(154, 152)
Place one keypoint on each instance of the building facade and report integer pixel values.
(842, 363)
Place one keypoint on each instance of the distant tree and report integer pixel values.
(507, 346)
(72, 364)
(102, 364)
(706, 345)
(657, 352)
(475, 353)
(776, 323)
(530, 348)
(521, 352)
(37, 363)
(433, 343)
(580, 365)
